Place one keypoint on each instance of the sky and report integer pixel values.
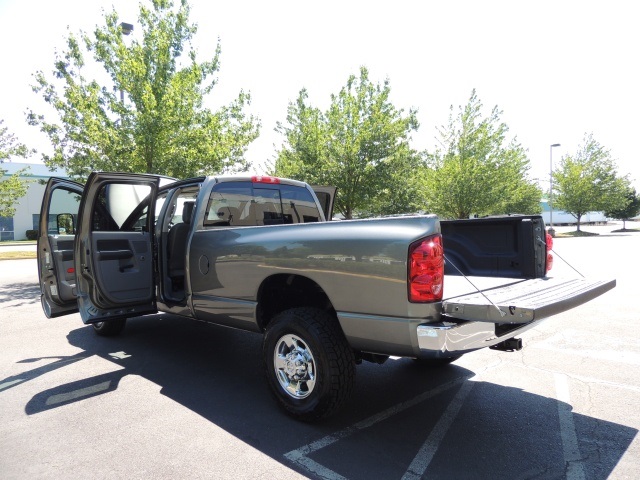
(557, 69)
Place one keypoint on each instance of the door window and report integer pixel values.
(298, 205)
(240, 204)
(229, 205)
(63, 212)
(187, 195)
(115, 204)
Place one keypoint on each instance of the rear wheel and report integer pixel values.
(110, 328)
(308, 363)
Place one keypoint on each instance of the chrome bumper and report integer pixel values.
(458, 338)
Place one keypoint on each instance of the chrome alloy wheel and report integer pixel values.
(295, 366)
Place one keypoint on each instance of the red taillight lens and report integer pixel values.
(71, 270)
(549, 240)
(426, 270)
(265, 179)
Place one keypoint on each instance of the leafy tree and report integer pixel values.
(13, 187)
(588, 182)
(145, 113)
(360, 144)
(475, 171)
(629, 211)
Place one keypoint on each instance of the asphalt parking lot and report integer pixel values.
(173, 398)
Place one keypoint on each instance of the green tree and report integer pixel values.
(13, 187)
(475, 171)
(629, 211)
(146, 112)
(360, 145)
(588, 182)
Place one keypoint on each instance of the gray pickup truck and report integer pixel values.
(260, 254)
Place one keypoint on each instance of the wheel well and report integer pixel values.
(284, 291)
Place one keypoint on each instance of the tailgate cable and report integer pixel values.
(558, 255)
(502, 313)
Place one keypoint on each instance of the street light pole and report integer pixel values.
(126, 29)
(552, 232)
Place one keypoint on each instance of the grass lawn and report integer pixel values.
(16, 255)
(577, 234)
(582, 233)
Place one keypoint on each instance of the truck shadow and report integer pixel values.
(499, 432)
(19, 294)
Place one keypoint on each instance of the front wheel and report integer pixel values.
(308, 363)
(110, 328)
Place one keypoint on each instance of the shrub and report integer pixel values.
(32, 234)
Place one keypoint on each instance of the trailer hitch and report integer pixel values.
(509, 345)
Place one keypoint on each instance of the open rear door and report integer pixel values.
(113, 254)
(326, 196)
(56, 236)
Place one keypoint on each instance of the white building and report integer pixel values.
(561, 217)
(28, 207)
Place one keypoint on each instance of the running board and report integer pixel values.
(525, 301)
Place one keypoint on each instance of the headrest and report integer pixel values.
(187, 211)
(228, 213)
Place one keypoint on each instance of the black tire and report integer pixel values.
(110, 328)
(308, 363)
(435, 362)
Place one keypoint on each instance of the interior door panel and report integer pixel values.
(123, 266)
(113, 250)
(62, 257)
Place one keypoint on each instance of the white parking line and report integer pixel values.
(300, 455)
(11, 383)
(426, 453)
(422, 460)
(573, 461)
(81, 392)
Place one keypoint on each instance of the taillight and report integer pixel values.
(426, 270)
(265, 179)
(549, 239)
(71, 270)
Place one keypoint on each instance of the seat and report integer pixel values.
(265, 214)
(177, 241)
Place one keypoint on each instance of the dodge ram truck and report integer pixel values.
(261, 254)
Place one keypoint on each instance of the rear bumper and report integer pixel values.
(446, 339)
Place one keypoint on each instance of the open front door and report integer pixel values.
(113, 254)
(56, 236)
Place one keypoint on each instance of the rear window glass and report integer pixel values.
(242, 204)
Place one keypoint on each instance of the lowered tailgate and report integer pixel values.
(526, 300)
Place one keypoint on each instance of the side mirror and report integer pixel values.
(65, 224)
